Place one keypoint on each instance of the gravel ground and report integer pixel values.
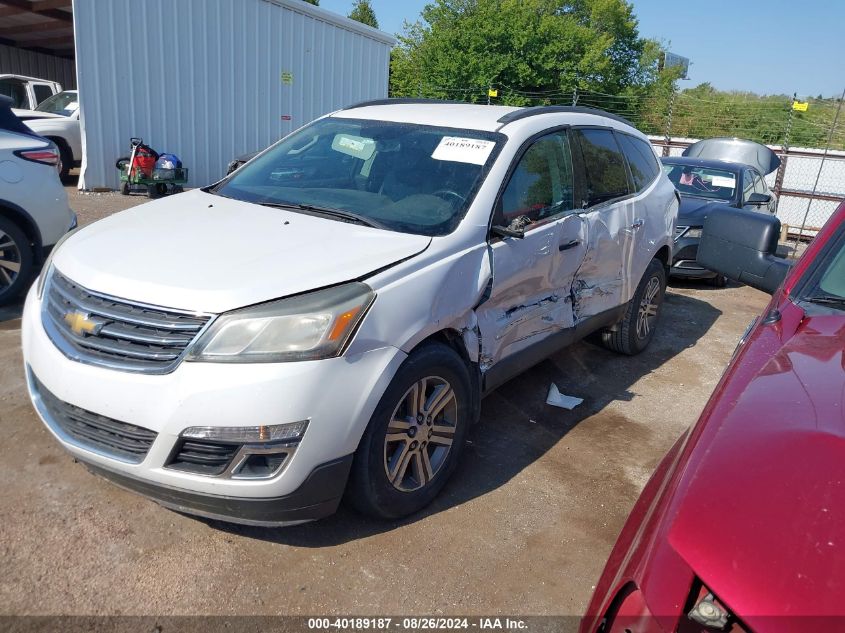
(523, 527)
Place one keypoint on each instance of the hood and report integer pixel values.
(693, 211)
(762, 518)
(201, 252)
(735, 150)
(30, 115)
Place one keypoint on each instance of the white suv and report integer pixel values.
(34, 212)
(325, 320)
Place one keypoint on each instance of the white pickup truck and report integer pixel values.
(27, 92)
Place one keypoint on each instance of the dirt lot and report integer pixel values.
(524, 527)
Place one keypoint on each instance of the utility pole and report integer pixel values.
(668, 137)
(819, 175)
(785, 148)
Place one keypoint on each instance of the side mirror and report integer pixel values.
(742, 245)
(759, 199)
(515, 229)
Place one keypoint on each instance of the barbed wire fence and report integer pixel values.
(807, 133)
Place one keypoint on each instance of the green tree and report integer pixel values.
(527, 48)
(362, 11)
(316, 3)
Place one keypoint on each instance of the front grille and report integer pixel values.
(114, 332)
(679, 230)
(123, 441)
(202, 458)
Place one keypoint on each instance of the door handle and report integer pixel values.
(568, 245)
(637, 223)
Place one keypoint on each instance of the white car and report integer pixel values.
(34, 211)
(57, 119)
(328, 317)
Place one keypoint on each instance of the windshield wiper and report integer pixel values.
(828, 300)
(314, 209)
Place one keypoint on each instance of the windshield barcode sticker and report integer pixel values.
(463, 150)
(723, 181)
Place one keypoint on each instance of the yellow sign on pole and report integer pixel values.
(492, 92)
(801, 106)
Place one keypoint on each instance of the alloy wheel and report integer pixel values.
(420, 434)
(10, 261)
(647, 312)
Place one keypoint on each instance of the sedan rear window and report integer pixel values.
(400, 176)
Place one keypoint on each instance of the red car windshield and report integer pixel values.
(826, 284)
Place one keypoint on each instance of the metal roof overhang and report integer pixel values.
(43, 26)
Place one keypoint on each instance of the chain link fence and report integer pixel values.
(807, 133)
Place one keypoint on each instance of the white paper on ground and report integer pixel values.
(557, 399)
(463, 150)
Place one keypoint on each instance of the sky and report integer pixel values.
(765, 46)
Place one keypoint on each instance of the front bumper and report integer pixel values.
(337, 396)
(317, 497)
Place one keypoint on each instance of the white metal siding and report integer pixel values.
(203, 78)
(17, 61)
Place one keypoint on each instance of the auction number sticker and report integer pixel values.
(463, 150)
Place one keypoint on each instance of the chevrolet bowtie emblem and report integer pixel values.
(83, 324)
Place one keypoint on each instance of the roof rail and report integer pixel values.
(524, 113)
(400, 101)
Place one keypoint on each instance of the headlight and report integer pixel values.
(308, 327)
(45, 269)
(694, 232)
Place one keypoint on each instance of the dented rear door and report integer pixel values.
(604, 282)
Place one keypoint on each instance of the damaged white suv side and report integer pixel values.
(325, 321)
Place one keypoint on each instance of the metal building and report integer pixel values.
(204, 79)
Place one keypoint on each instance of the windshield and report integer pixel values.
(832, 279)
(64, 103)
(401, 176)
(703, 182)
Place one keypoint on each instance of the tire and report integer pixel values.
(124, 188)
(65, 156)
(16, 261)
(405, 458)
(636, 329)
(719, 281)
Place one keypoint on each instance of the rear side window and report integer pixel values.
(641, 160)
(41, 92)
(14, 89)
(604, 165)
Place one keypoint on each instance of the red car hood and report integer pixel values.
(761, 510)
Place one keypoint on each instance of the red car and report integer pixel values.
(742, 526)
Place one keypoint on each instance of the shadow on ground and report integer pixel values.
(517, 427)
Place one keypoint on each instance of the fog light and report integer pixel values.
(708, 612)
(248, 434)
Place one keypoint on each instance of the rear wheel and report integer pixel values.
(415, 436)
(636, 329)
(16, 263)
(65, 158)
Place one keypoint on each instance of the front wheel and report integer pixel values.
(636, 329)
(415, 436)
(16, 265)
